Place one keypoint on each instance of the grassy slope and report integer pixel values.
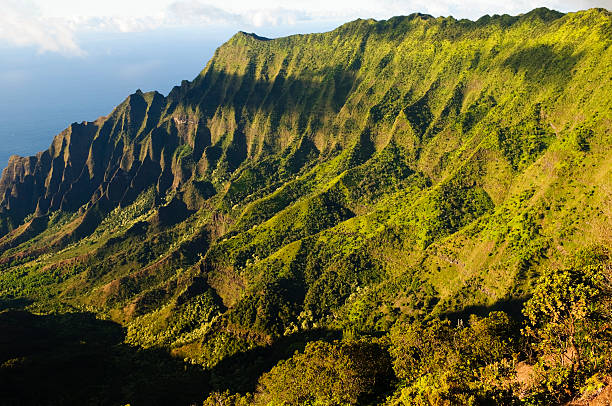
(382, 171)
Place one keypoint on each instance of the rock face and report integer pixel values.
(396, 168)
(85, 163)
(257, 98)
(111, 160)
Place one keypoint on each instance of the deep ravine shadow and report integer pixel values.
(14, 303)
(71, 359)
(74, 358)
(512, 306)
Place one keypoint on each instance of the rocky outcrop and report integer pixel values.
(109, 161)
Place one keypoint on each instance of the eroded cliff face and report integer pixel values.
(361, 86)
(107, 162)
(408, 166)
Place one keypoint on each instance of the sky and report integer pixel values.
(64, 61)
(59, 25)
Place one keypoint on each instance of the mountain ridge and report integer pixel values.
(381, 173)
(20, 172)
(72, 174)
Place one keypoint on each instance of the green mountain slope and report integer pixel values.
(384, 172)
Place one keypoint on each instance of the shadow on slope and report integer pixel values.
(240, 372)
(511, 306)
(14, 303)
(544, 64)
(77, 359)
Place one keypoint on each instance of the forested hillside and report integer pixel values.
(410, 211)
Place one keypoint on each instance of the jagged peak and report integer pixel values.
(253, 35)
(601, 10)
(595, 11)
(415, 16)
(14, 158)
(138, 96)
(361, 23)
(140, 93)
(372, 21)
(135, 108)
(248, 36)
(542, 13)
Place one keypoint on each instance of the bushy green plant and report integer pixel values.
(439, 363)
(569, 325)
(327, 374)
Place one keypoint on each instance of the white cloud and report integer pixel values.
(595, 3)
(114, 23)
(197, 12)
(21, 25)
(278, 12)
(193, 11)
(55, 25)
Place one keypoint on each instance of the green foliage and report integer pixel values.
(363, 181)
(581, 136)
(227, 399)
(122, 218)
(35, 282)
(161, 328)
(441, 364)
(569, 322)
(269, 311)
(443, 211)
(183, 153)
(522, 144)
(327, 374)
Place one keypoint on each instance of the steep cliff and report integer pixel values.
(383, 171)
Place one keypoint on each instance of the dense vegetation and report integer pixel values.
(411, 211)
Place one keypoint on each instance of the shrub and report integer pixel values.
(569, 324)
(328, 374)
